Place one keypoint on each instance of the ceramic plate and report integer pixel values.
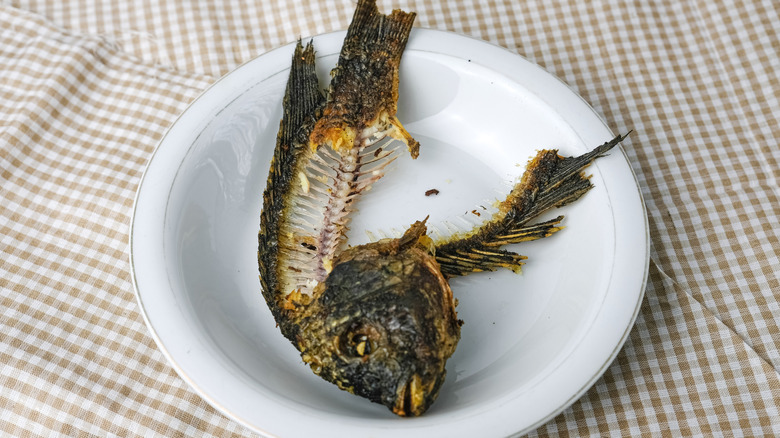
(531, 343)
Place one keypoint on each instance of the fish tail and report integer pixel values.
(371, 30)
(550, 181)
(301, 100)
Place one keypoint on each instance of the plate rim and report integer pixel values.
(431, 36)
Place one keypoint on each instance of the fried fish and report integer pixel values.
(379, 319)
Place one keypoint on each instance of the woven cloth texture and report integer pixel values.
(88, 88)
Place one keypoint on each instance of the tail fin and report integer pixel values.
(371, 31)
(549, 181)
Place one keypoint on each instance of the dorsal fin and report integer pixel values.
(302, 99)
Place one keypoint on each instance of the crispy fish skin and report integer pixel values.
(383, 324)
(359, 112)
(302, 101)
(363, 94)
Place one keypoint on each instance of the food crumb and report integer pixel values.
(431, 192)
(475, 212)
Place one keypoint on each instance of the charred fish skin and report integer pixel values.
(301, 102)
(363, 95)
(384, 324)
(344, 156)
(549, 181)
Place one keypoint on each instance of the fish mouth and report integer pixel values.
(413, 397)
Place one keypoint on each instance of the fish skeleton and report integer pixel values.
(378, 319)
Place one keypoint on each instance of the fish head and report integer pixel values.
(383, 324)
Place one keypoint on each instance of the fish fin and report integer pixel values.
(301, 101)
(413, 234)
(549, 181)
(371, 31)
(552, 181)
(464, 256)
(400, 133)
(459, 261)
(525, 233)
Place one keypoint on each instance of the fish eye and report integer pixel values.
(362, 344)
(358, 342)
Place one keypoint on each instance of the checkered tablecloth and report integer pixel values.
(88, 88)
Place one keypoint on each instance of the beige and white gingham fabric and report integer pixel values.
(88, 88)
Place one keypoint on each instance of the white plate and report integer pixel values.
(531, 343)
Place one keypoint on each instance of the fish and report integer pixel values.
(379, 319)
